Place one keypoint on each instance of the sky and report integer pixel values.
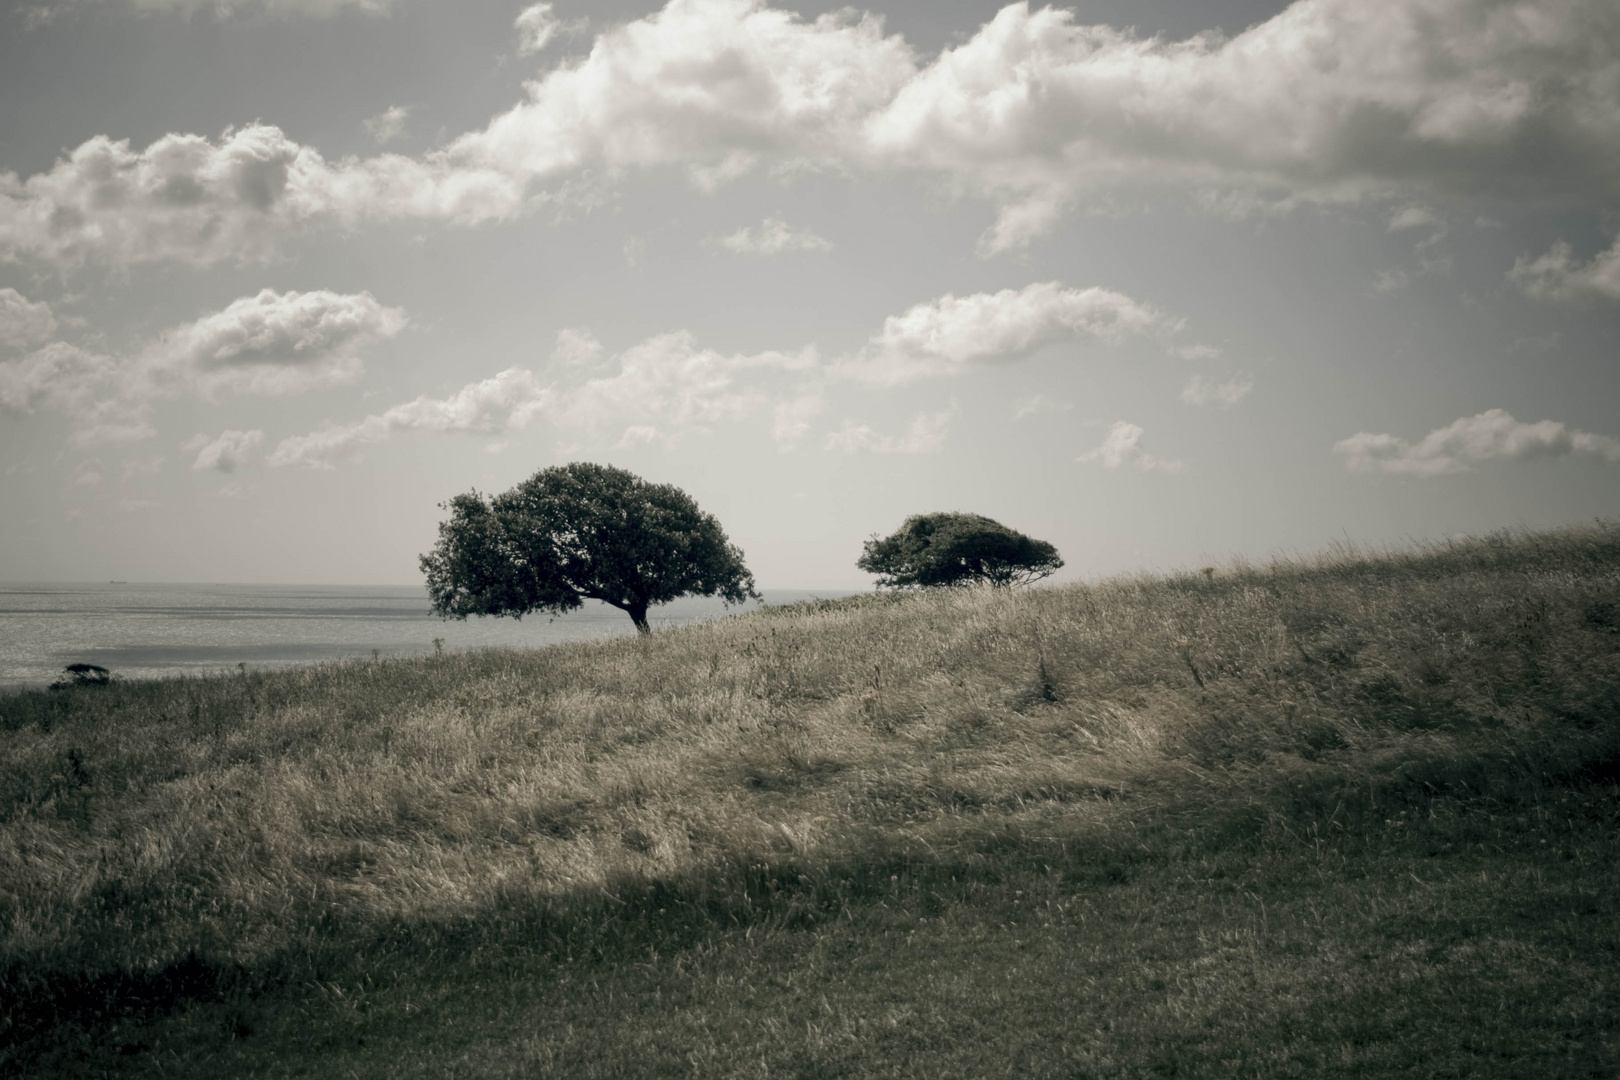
(1166, 284)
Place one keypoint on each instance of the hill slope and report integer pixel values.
(1356, 815)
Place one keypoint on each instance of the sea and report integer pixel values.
(142, 631)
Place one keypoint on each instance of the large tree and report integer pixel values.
(957, 549)
(577, 532)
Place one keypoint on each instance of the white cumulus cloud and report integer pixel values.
(1560, 276)
(1329, 100)
(575, 348)
(23, 321)
(193, 199)
(507, 401)
(76, 382)
(951, 334)
(773, 237)
(714, 85)
(387, 125)
(272, 343)
(663, 387)
(538, 26)
(223, 452)
(1123, 446)
(1490, 435)
(669, 378)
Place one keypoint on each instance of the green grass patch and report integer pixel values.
(1353, 816)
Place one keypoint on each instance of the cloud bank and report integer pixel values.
(1490, 435)
(1330, 100)
(192, 199)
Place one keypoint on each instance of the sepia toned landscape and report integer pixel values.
(937, 539)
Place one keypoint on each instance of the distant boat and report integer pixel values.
(118, 583)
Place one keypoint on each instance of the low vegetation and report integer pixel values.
(1353, 816)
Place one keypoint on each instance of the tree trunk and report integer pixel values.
(638, 614)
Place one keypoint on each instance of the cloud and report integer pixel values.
(272, 343)
(668, 378)
(1329, 101)
(59, 375)
(575, 348)
(1205, 391)
(924, 435)
(23, 321)
(1559, 276)
(1040, 403)
(1123, 446)
(111, 422)
(951, 334)
(713, 85)
(668, 385)
(790, 420)
(507, 401)
(774, 237)
(1490, 435)
(224, 452)
(538, 27)
(1389, 281)
(663, 387)
(191, 199)
(387, 125)
(1414, 217)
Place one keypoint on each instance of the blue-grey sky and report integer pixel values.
(1162, 283)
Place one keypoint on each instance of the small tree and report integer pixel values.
(576, 532)
(957, 549)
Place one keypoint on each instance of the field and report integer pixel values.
(1354, 816)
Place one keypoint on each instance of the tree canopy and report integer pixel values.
(576, 532)
(957, 549)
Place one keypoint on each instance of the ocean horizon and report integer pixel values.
(141, 630)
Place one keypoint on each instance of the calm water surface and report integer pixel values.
(144, 630)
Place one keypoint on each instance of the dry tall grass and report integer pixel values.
(800, 758)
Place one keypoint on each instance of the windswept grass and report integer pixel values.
(1352, 815)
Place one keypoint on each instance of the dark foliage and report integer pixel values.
(580, 531)
(957, 549)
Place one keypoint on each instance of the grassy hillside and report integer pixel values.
(1357, 815)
